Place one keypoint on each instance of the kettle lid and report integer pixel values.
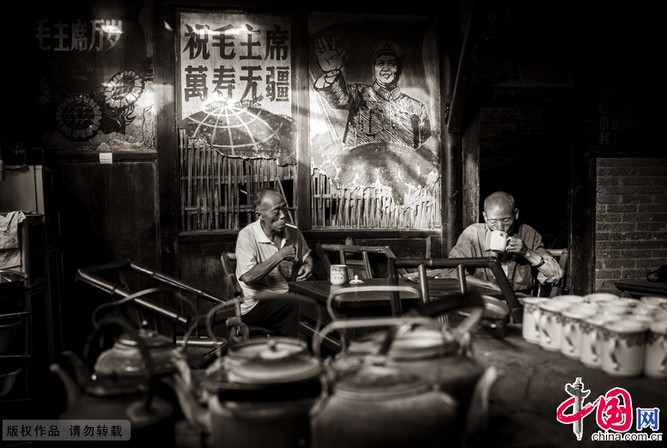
(274, 361)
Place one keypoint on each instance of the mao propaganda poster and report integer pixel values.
(374, 108)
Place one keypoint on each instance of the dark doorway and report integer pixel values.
(525, 149)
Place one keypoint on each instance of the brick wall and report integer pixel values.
(631, 219)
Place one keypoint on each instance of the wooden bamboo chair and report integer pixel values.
(356, 258)
(234, 291)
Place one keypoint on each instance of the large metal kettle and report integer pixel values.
(258, 393)
(111, 396)
(379, 405)
(436, 351)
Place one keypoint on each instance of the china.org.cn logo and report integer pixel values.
(613, 414)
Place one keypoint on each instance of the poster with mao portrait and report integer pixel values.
(374, 108)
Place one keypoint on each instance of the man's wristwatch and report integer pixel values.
(542, 261)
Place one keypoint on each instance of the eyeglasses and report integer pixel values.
(493, 222)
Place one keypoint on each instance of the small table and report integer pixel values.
(353, 305)
(639, 288)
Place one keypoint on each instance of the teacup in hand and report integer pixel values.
(498, 241)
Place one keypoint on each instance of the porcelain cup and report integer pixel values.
(623, 347)
(655, 300)
(551, 324)
(338, 274)
(569, 298)
(572, 317)
(646, 309)
(592, 331)
(498, 241)
(600, 297)
(655, 362)
(530, 327)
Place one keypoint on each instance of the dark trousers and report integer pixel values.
(277, 316)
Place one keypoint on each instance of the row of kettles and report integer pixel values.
(409, 381)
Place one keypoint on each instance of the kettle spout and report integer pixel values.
(80, 369)
(71, 388)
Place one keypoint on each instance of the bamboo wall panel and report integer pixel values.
(214, 195)
(371, 207)
(214, 189)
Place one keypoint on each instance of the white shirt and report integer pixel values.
(253, 247)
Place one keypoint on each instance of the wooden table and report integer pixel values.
(531, 385)
(321, 289)
(364, 303)
(639, 288)
(352, 305)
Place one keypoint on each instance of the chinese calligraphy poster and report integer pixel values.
(235, 83)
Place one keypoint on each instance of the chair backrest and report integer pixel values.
(356, 258)
(234, 291)
(228, 260)
(563, 257)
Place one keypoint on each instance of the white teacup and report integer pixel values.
(530, 327)
(630, 303)
(646, 320)
(655, 361)
(569, 298)
(551, 324)
(617, 309)
(646, 309)
(655, 300)
(498, 241)
(592, 330)
(600, 297)
(338, 274)
(623, 347)
(572, 317)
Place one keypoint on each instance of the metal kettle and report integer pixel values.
(258, 393)
(378, 405)
(434, 350)
(109, 396)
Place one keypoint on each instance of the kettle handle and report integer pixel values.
(319, 337)
(470, 299)
(141, 344)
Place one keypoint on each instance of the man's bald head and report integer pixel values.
(499, 199)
